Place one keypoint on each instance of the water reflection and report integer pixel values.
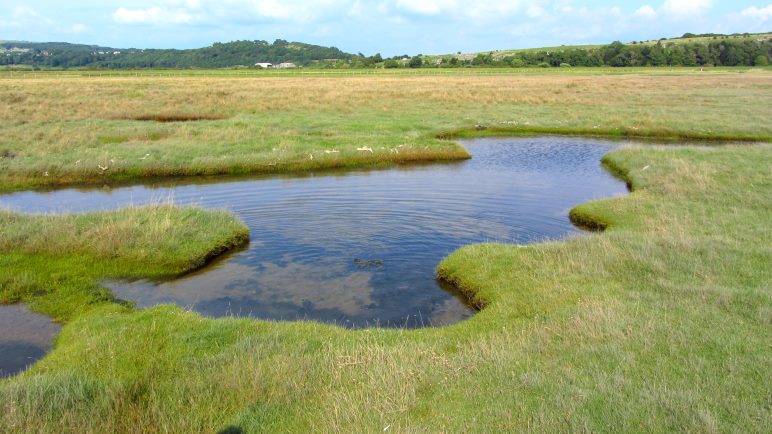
(307, 233)
(24, 338)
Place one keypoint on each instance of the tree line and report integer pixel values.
(219, 55)
(716, 52)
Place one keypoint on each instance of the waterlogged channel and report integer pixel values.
(360, 248)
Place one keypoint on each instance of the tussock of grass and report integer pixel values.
(660, 323)
(55, 263)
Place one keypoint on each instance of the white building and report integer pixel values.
(264, 65)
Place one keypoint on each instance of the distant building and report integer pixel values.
(286, 65)
(264, 65)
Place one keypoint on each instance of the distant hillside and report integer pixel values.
(219, 55)
(687, 38)
(744, 49)
(689, 50)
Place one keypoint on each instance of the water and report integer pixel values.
(24, 338)
(360, 248)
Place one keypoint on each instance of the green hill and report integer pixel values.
(687, 38)
(688, 50)
(744, 49)
(218, 55)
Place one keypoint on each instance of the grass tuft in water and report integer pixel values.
(56, 263)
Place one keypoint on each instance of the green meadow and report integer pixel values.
(660, 321)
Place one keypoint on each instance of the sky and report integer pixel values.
(390, 27)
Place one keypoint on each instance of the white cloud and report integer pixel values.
(78, 28)
(480, 11)
(27, 14)
(357, 10)
(685, 8)
(234, 11)
(23, 12)
(274, 9)
(154, 15)
(763, 14)
(534, 11)
(426, 7)
(26, 19)
(646, 12)
(489, 10)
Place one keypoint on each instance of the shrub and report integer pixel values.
(517, 63)
(544, 65)
(415, 62)
(565, 65)
(761, 60)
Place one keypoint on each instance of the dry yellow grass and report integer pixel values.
(64, 130)
(82, 98)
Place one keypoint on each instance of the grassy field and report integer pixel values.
(65, 130)
(659, 323)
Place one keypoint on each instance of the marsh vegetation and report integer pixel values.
(68, 130)
(659, 323)
(359, 248)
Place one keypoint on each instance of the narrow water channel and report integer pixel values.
(360, 248)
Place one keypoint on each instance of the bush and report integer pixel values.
(565, 65)
(390, 64)
(544, 65)
(761, 60)
(517, 63)
(415, 62)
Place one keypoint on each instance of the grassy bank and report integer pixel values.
(62, 130)
(55, 263)
(660, 323)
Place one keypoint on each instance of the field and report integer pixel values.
(65, 130)
(661, 322)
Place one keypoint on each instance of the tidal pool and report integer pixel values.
(24, 338)
(360, 248)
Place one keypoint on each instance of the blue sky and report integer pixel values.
(390, 27)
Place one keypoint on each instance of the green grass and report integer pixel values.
(62, 130)
(660, 323)
(56, 263)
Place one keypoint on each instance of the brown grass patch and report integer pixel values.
(177, 117)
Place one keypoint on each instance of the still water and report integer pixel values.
(24, 338)
(360, 248)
